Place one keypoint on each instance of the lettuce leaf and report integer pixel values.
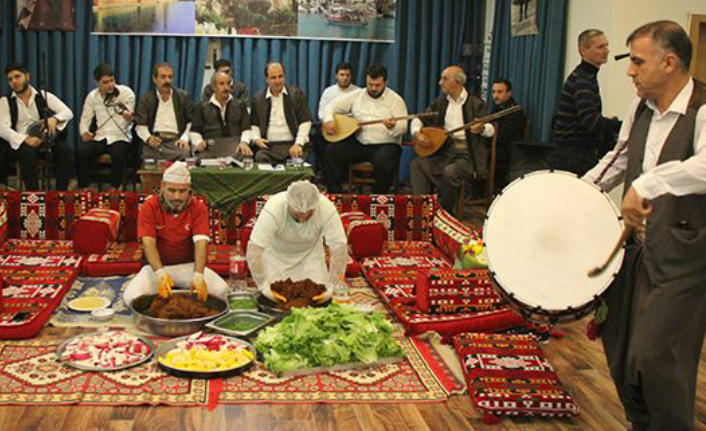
(324, 337)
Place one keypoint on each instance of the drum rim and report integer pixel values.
(535, 309)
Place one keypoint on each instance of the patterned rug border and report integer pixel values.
(209, 393)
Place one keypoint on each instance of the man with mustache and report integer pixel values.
(221, 124)
(581, 132)
(105, 127)
(239, 90)
(655, 326)
(377, 143)
(163, 118)
(280, 119)
(173, 228)
(20, 113)
(465, 155)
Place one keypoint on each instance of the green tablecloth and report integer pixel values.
(226, 188)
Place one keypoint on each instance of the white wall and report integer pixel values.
(618, 18)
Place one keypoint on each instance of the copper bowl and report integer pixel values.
(172, 327)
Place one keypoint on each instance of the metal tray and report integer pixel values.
(341, 367)
(233, 296)
(263, 318)
(165, 347)
(266, 304)
(62, 347)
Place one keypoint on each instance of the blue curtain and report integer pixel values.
(429, 36)
(533, 64)
(70, 57)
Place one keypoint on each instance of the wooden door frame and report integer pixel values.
(694, 33)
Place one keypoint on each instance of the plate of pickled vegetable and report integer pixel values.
(203, 355)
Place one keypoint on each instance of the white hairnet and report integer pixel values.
(302, 196)
(177, 173)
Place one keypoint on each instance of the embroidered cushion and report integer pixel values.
(95, 230)
(366, 237)
(509, 375)
(456, 291)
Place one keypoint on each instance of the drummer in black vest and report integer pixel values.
(656, 322)
(221, 125)
(32, 122)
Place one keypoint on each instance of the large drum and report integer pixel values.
(543, 234)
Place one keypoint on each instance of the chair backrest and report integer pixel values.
(488, 178)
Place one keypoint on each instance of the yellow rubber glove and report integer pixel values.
(198, 284)
(164, 283)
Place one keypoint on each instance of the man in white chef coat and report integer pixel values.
(289, 236)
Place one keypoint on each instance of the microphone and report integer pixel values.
(121, 107)
(621, 56)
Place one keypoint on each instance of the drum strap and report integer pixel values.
(42, 108)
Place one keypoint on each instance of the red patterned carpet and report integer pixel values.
(30, 374)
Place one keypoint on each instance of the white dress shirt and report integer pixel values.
(165, 121)
(112, 126)
(29, 114)
(360, 105)
(454, 119)
(332, 93)
(677, 177)
(278, 130)
(196, 137)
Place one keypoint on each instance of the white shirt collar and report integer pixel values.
(215, 101)
(461, 98)
(680, 103)
(159, 96)
(268, 94)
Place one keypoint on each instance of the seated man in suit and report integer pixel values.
(465, 153)
(280, 118)
(511, 128)
(221, 125)
(32, 122)
(378, 143)
(105, 127)
(163, 118)
(239, 91)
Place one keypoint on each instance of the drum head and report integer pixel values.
(543, 234)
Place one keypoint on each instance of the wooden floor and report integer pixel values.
(579, 362)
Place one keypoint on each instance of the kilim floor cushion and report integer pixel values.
(394, 277)
(120, 259)
(509, 375)
(30, 374)
(41, 247)
(446, 291)
(34, 287)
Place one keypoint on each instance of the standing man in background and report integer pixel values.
(581, 132)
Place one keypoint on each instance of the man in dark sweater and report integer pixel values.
(581, 132)
(511, 128)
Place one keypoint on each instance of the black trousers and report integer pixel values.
(578, 159)
(60, 153)
(88, 151)
(384, 157)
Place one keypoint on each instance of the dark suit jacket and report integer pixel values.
(146, 111)
(296, 110)
(207, 120)
(477, 145)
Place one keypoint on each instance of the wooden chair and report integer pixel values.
(488, 179)
(45, 170)
(361, 175)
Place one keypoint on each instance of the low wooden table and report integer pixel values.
(226, 187)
